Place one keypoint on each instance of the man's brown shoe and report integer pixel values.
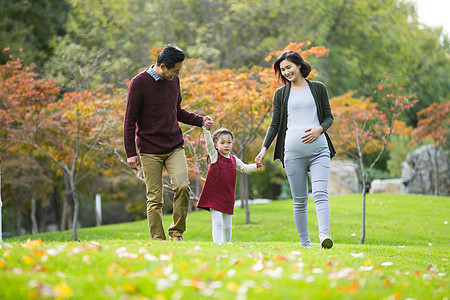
(176, 238)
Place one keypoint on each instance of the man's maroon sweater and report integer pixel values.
(152, 114)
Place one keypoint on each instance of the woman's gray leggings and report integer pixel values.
(296, 170)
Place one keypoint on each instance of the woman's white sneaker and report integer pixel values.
(326, 242)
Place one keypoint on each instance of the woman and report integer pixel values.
(301, 116)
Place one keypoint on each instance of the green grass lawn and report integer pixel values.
(405, 257)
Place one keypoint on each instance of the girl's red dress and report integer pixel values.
(219, 190)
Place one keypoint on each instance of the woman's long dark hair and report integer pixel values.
(295, 58)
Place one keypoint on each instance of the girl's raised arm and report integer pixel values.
(212, 152)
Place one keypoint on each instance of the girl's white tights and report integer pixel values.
(221, 226)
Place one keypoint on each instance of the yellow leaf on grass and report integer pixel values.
(398, 295)
(328, 264)
(27, 260)
(33, 294)
(110, 271)
(129, 287)
(232, 286)
(220, 275)
(368, 262)
(2, 263)
(62, 290)
(183, 265)
(33, 243)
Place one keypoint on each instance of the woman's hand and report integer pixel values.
(312, 134)
(259, 158)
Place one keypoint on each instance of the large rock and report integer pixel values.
(343, 178)
(390, 186)
(418, 171)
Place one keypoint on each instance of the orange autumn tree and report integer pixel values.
(238, 99)
(433, 122)
(364, 125)
(23, 95)
(71, 129)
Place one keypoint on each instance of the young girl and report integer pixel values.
(218, 193)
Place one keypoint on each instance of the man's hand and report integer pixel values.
(208, 122)
(133, 162)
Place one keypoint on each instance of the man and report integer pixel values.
(152, 114)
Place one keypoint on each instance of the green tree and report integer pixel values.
(27, 28)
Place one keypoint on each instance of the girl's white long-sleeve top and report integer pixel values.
(213, 154)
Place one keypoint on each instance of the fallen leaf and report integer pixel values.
(38, 252)
(232, 286)
(33, 243)
(328, 264)
(62, 290)
(357, 254)
(231, 273)
(129, 287)
(368, 262)
(38, 268)
(27, 260)
(353, 288)
(366, 268)
(150, 257)
(279, 258)
(220, 275)
(258, 266)
(204, 267)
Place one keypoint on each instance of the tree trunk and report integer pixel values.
(76, 208)
(65, 210)
(34, 226)
(363, 221)
(43, 218)
(19, 215)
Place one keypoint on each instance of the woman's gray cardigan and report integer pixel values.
(278, 125)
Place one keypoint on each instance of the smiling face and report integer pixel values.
(168, 74)
(290, 71)
(224, 144)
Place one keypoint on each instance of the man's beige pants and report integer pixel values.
(175, 164)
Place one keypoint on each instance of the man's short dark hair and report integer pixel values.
(170, 55)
